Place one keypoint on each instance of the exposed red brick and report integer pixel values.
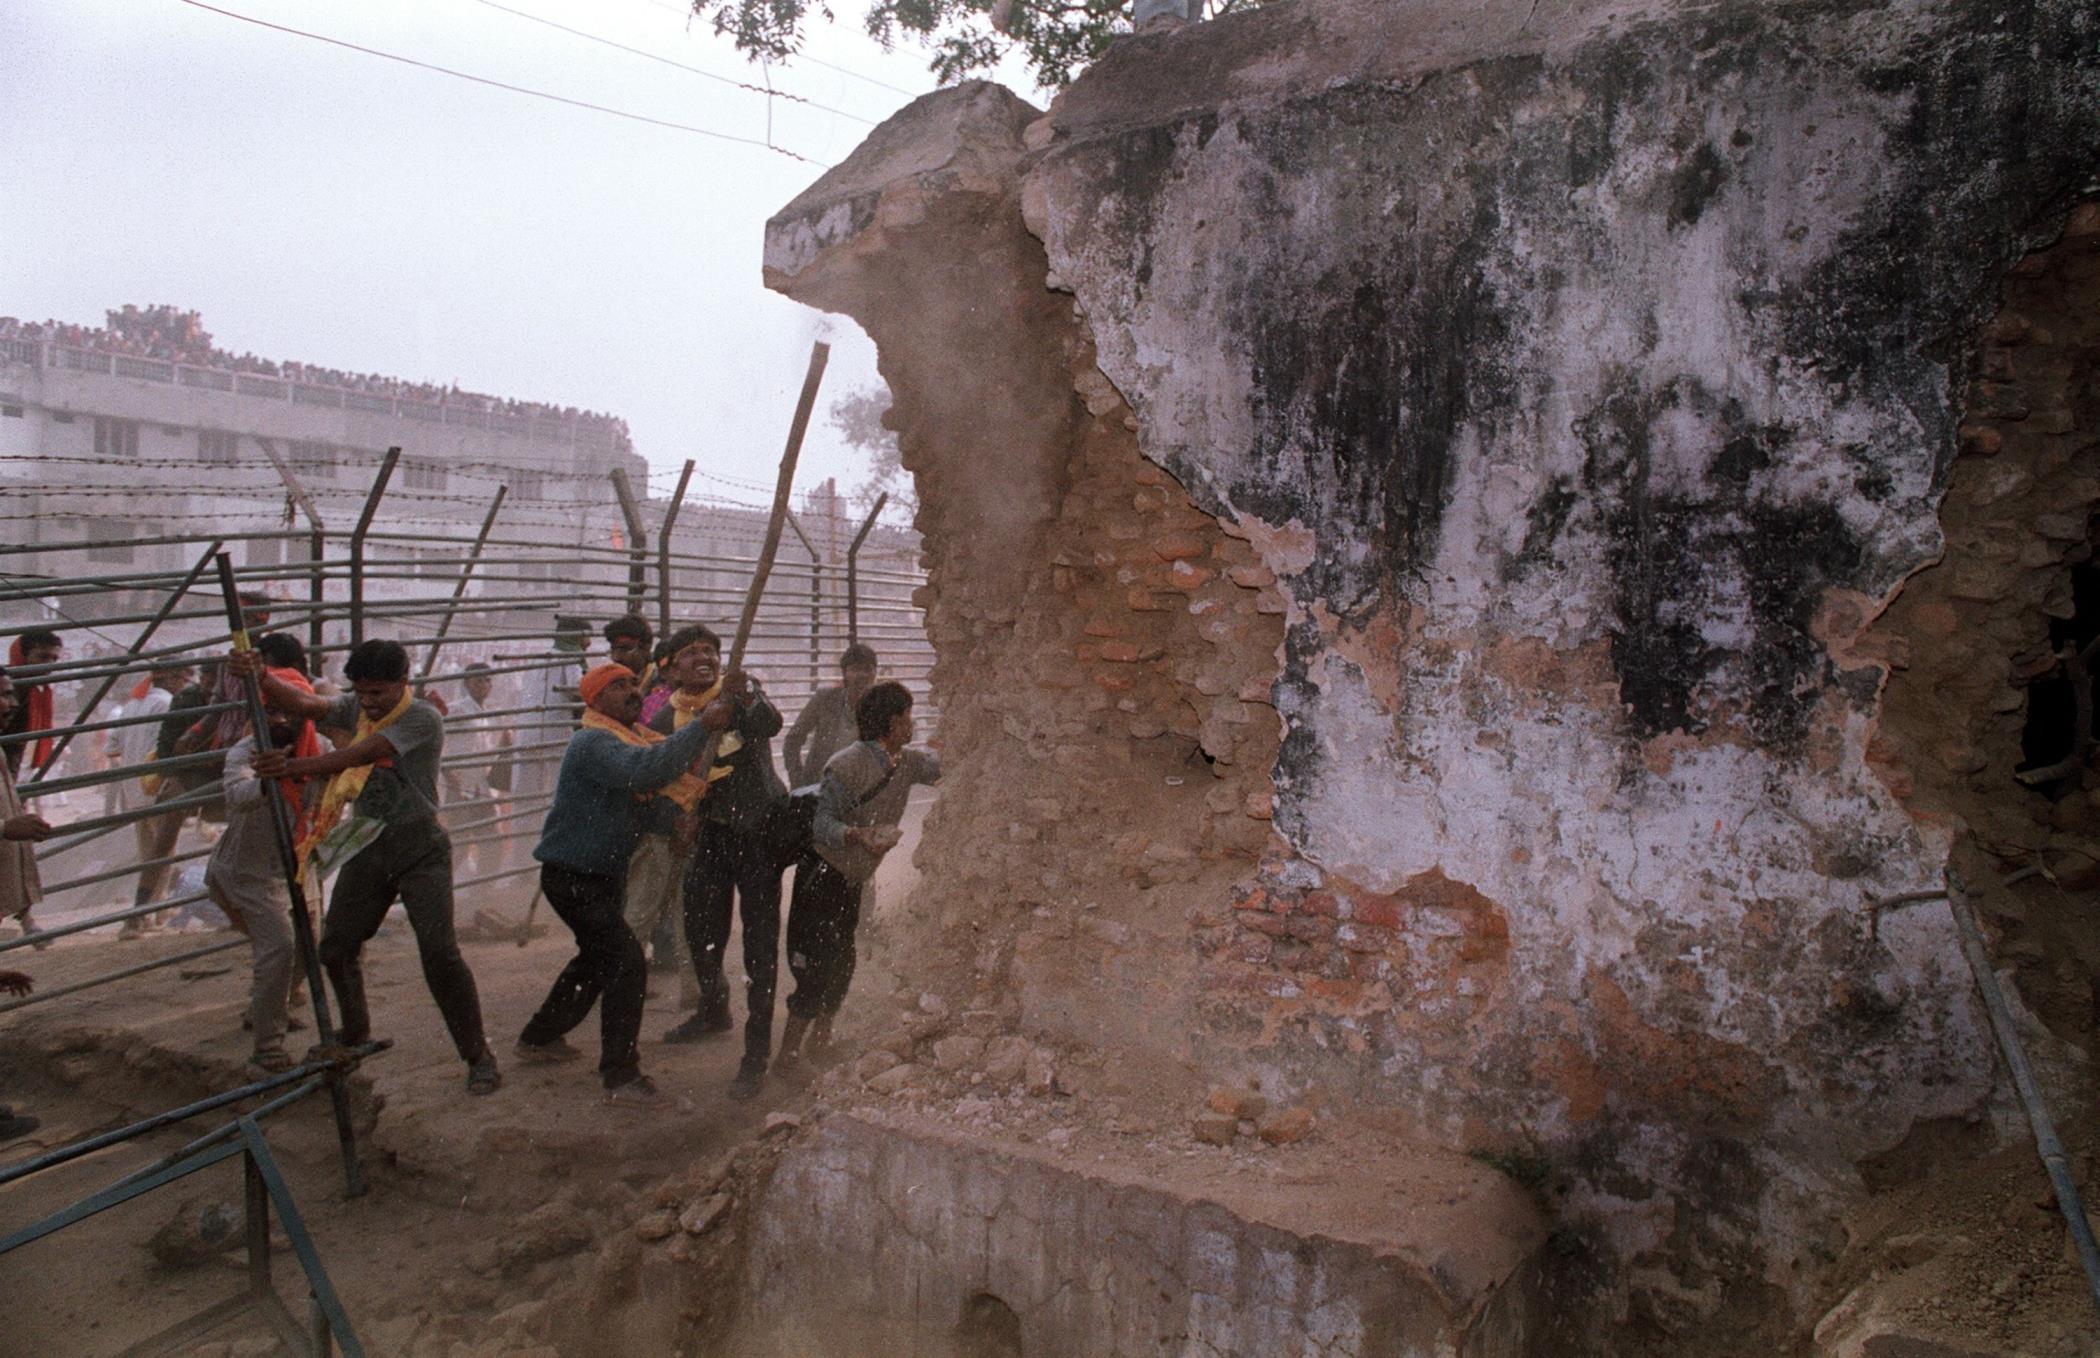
(1179, 546)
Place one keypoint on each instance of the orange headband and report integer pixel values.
(594, 683)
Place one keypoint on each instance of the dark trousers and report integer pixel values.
(727, 861)
(823, 919)
(608, 964)
(411, 861)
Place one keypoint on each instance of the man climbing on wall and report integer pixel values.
(384, 773)
(865, 789)
(732, 859)
(605, 793)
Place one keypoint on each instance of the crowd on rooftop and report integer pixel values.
(173, 335)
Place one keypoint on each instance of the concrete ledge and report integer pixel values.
(896, 1235)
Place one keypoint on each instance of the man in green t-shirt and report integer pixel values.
(393, 742)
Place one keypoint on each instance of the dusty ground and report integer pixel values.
(541, 1222)
(483, 1214)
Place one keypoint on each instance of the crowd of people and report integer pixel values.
(668, 819)
(173, 335)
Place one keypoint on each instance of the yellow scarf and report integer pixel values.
(686, 706)
(343, 789)
(685, 790)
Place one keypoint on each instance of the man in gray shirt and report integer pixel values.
(865, 788)
(245, 877)
(825, 725)
(397, 741)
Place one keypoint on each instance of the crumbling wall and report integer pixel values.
(1106, 649)
(1979, 726)
(1588, 380)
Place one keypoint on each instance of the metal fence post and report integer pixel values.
(317, 540)
(466, 573)
(303, 935)
(357, 544)
(853, 569)
(637, 542)
(816, 603)
(87, 709)
(663, 552)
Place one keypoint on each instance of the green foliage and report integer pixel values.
(857, 416)
(1057, 38)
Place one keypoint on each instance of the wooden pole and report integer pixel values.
(819, 355)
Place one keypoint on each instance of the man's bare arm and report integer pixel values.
(366, 750)
(280, 696)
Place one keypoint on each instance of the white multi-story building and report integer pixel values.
(113, 438)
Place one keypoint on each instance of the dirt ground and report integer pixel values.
(541, 1222)
(483, 1214)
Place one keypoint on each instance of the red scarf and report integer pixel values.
(305, 745)
(36, 699)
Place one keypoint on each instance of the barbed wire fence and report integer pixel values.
(525, 597)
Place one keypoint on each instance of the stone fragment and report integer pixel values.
(197, 1231)
(703, 1214)
(957, 1053)
(1215, 1129)
(874, 1063)
(1238, 1103)
(1006, 1058)
(779, 1124)
(897, 1079)
(655, 1226)
(1040, 1074)
(1285, 1126)
(549, 1231)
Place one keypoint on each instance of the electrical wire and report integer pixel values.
(505, 85)
(666, 61)
(803, 56)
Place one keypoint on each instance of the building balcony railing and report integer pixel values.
(579, 431)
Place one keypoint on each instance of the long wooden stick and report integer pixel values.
(819, 355)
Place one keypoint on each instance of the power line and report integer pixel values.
(666, 61)
(503, 85)
(801, 56)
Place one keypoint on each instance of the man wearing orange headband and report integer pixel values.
(246, 877)
(603, 796)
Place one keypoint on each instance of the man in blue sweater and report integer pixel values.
(603, 797)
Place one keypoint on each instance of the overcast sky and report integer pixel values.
(332, 207)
